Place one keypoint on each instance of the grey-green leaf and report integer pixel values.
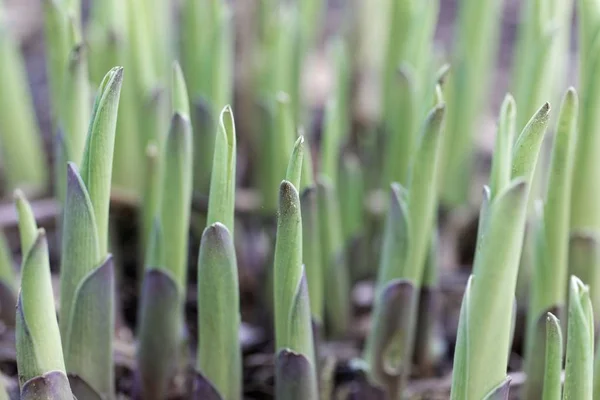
(89, 342)
(158, 334)
(219, 352)
(96, 168)
(222, 184)
(39, 349)
(80, 247)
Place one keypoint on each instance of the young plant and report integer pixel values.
(295, 369)
(549, 280)
(219, 362)
(579, 366)
(165, 278)
(23, 159)
(87, 271)
(40, 362)
(406, 242)
(222, 198)
(487, 309)
(39, 352)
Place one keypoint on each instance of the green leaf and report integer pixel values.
(294, 169)
(128, 173)
(158, 333)
(553, 366)
(528, 144)
(177, 197)
(423, 193)
(80, 254)
(219, 352)
(222, 185)
(39, 349)
(401, 126)
(311, 251)
(460, 367)
(180, 95)
(549, 280)
(535, 356)
(28, 229)
(299, 322)
(307, 179)
(396, 238)
(288, 260)
(490, 306)
(89, 338)
(580, 344)
(96, 169)
(335, 270)
(505, 137)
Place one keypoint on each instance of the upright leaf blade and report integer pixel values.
(219, 353)
(176, 197)
(288, 260)
(580, 344)
(39, 349)
(28, 229)
(553, 366)
(96, 169)
(222, 185)
(491, 301)
(158, 333)
(89, 339)
(311, 252)
(80, 247)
